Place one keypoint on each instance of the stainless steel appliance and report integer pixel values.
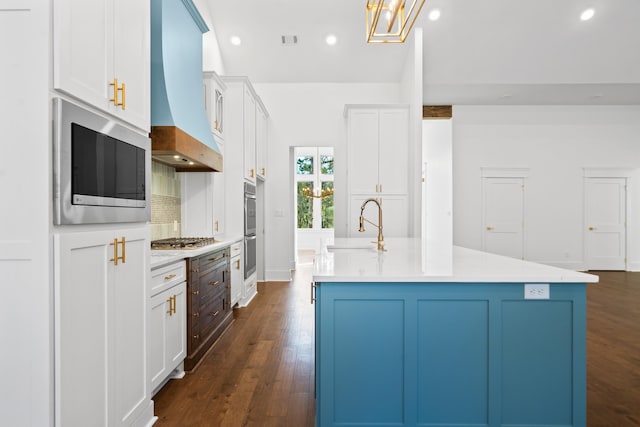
(179, 243)
(102, 170)
(249, 229)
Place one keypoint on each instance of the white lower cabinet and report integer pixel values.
(100, 297)
(168, 342)
(237, 273)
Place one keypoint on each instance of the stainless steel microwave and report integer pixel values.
(101, 170)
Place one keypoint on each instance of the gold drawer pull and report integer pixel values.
(214, 283)
(196, 337)
(489, 228)
(237, 264)
(195, 292)
(196, 314)
(212, 314)
(169, 277)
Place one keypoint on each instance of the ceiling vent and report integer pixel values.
(289, 40)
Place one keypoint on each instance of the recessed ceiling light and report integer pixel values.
(331, 39)
(434, 15)
(587, 14)
(235, 40)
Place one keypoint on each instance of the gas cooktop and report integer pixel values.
(176, 243)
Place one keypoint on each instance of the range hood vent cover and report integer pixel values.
(180, 133)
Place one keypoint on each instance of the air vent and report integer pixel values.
(289, 40)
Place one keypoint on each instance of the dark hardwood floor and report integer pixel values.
(261, 371)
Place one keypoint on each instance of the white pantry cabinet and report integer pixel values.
(102, 55)
(100, 291)
(168, 326)
(261, 143)
(378, 166)
(249, 135)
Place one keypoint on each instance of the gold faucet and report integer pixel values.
(378, 225)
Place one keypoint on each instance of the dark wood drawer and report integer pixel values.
(212, 260)
(212, 314)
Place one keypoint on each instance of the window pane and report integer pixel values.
(327, 204)
(326, 165)
(304, 165)
(305, 205)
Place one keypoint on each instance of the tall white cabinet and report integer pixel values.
(101, 328)
(378, 167)
(245, 128)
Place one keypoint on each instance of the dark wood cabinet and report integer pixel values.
(209, 310)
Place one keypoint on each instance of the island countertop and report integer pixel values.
(412, 260)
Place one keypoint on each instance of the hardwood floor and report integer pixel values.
(261, 371)
(613, 350)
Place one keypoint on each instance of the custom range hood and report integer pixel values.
(180, 133)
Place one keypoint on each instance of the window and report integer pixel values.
(314, 187)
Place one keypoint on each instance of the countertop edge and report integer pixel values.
(170, 256)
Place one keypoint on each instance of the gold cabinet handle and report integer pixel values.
(237, 264)
(214, 283)
(195, 292)
(175, 298)
(169, 277)
(212, 314)
(196, 314)
(170, 301)
(196, 337)
(124, 96)
(115, 251)
(264, 171)
(253, 173)
(489, 228)
(591, 228)
(217, 225)
(115, 92)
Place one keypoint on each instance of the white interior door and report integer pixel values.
(605, 223)
(503, 216)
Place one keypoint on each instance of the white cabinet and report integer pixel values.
(203, 212)
(378, 166)
(242, 106)
(168, 325)
(237, 273)
(101, 55)
(218, 207)
(261, 142)
(214, 93)
(249, 135)
(100, 291)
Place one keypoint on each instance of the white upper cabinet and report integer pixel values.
(261, 142)
(214, 93)
(378, 150)
(249, 136)
(102, 57)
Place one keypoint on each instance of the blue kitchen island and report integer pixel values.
(418, 336)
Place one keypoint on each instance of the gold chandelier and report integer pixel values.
(307, 192)
(397, 23)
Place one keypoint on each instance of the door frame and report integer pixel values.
(505, 172)
(599, 172)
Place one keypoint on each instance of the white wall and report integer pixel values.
(26, 394)
(306, 114)
(556, 143)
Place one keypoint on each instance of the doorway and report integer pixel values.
(605, 228)
(313, 170)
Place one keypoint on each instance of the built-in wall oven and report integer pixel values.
(249, 229)
(101, 169)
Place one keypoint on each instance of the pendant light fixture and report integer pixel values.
(390, 21)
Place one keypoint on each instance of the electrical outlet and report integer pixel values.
(536, 291)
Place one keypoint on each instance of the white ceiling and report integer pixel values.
(478, 52)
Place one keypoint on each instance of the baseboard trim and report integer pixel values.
(277, 276)
(633, 266)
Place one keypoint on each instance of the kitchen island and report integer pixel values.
(433, 336)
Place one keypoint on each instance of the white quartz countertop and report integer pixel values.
(160, 257)
(412, 260)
